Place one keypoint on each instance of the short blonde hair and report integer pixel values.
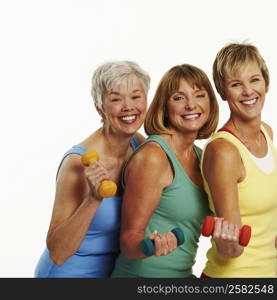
(230, 58)
(156, 121)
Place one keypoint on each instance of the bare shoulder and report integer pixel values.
(70, 167)
(150, 155)
(149, 162)
(222, 162)
(149, 167)
(221, 150)
(268, 129)
(71, 182)
(139, 137)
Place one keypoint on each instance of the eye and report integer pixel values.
(115, 99)
(178, 98)
(136, 97)
(255, 79)
(200, 95)
(235, 84)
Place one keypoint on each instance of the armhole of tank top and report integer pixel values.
(231, 142)
(267, 137)
(71, 151)
(198, 152)
(137, 149)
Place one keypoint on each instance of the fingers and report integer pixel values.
(225, 230)
(164, 243)
(95, 173)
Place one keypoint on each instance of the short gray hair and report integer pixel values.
(111, 74)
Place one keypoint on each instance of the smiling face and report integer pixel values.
(245, 91)
(124, 107)
(188, 108)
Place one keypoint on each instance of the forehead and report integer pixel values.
(185, 84)
(245, 70)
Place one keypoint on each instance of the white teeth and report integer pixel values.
(191, 116)
(128, 118)
(250, 101)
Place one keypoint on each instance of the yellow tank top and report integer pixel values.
(258, 209)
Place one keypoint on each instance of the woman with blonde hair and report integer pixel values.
(240, 169)
(162, 179)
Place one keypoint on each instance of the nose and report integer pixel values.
(190, 104)
(247, 90)
(127, 105)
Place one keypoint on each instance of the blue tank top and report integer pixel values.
(97, 253)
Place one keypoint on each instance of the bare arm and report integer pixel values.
(147, 174)
(75, 206)
(223, 169)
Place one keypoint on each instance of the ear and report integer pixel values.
(223, 96)
(266, 89)
(101, 113)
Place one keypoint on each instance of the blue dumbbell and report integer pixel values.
(148, 246)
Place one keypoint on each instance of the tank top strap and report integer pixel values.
(226, 135)
(80, 150)
(134, 143)
(269, 142)
(76, 149)
(165, 146)
(177, 168)
(243, 151)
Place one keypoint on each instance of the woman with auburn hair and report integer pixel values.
(239, 166)
(162, 179)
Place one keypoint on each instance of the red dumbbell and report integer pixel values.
(244, 234)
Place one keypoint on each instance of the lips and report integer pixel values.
(249, 102)
(128, 119)
(191, 116)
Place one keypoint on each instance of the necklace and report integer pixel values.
(245, 140)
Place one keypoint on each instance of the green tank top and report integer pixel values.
(183, 204)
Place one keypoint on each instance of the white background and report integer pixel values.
(48, 52)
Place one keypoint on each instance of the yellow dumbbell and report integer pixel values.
(107, 188)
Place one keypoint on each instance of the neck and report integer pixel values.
(181, 144)
(114, 145)
(249, 132)
(247, 128)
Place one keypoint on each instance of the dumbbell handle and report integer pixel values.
(107, 188)
(148, 246)
(244, 235)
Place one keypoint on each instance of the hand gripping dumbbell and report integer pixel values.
(244, 234)
(148, 246)
(107, 188)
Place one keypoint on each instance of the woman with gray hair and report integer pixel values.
(83, 236)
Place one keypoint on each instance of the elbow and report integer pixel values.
(57, 255)
(57, 259)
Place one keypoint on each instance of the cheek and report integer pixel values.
(142, 105)
(112, 109)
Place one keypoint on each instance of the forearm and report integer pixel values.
(66, 238)
(130, 244)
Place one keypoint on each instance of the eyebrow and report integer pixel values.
(255, 75)
(198, 90)
(137, 90)
(117, 93)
